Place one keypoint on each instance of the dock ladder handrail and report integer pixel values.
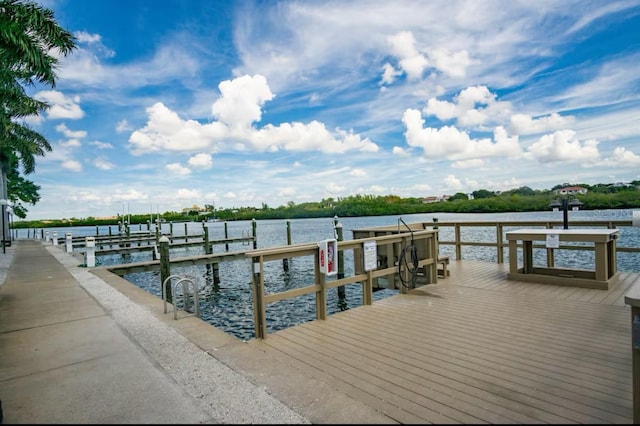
(185, 280)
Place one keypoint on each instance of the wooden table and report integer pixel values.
(600, 277)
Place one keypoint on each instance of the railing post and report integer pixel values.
(165, 266)
(342, 295)
(259, 312)
(321, 295)
(635, 360)
(500, 246)
(550, 254)
(458, 245)
(632, 298)
(186, 233)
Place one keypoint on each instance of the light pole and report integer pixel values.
(4, 203)
(10, 224)
(574, 203)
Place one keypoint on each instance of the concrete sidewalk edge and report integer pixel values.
(220, 391)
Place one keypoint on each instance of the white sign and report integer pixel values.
(370, 255)
(328, 256)
(553, 240)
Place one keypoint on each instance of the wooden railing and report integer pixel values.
(425, 242)
(500, 244)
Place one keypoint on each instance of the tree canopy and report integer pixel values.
(31, 42)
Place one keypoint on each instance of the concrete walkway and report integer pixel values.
(75, 350)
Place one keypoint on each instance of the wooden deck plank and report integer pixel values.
(500, 328)
(393, 380)
(475, 348)
(526, 362)
(623, 285)
(396, 406)
(525, 302)
(631, 283)
(468, 366)
(430, 359)
(412, 377)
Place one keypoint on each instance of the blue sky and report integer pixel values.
(166, 104)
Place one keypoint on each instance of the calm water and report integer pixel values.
(230, 307)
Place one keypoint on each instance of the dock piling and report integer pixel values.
(226, 236)
(254, 233)
(165, 266)
(342, 294)
(285, 261)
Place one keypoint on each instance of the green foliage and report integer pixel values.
(30, 40)
(459, 196)
(20, 190)
(516, 200)
(483, 193)
(30, 44)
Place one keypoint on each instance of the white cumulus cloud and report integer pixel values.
(522, 124)
(241, 100)
(62, 128)
(563, 146)
(472, 107)
(72, 165)
(178, 169)
(201, 161)
(623, 157)
(237, 108)
(448, 142)
(60, 106)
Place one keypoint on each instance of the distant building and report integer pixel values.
(620, 185)
(194, 208)
(435, 199)
(571, 190)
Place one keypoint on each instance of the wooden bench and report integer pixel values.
(443, 271)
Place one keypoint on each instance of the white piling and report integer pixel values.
(68, 242)
(54, 238)
(90, 253)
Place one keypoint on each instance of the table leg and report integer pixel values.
(613, 261)
(602, 267)
(527, 256)
(513, 257)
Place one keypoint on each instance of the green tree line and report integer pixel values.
(523, 199)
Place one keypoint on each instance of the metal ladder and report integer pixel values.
(189, 292)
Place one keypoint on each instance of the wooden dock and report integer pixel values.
(474, 348)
